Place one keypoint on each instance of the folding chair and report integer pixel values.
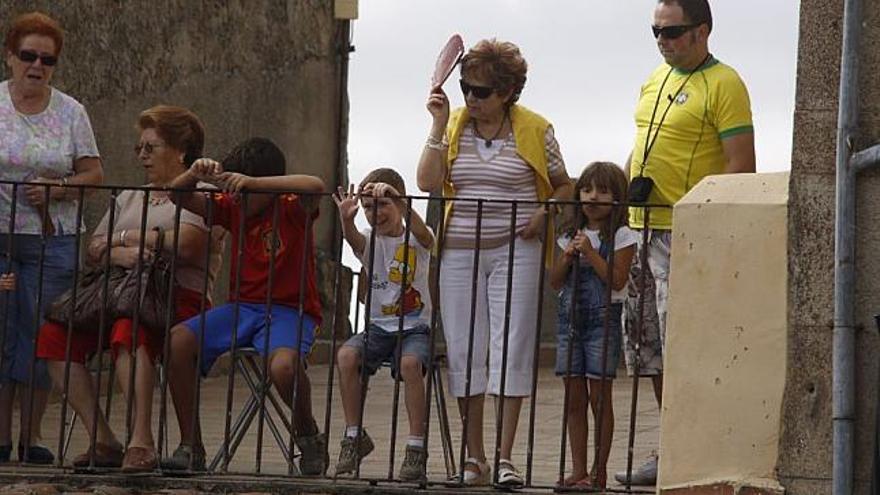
(247, 366)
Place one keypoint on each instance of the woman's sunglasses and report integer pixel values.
(30, 57)
(671, 32)
(479, 92)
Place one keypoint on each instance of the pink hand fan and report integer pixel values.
(447, 60)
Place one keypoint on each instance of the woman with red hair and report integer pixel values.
(47, 139)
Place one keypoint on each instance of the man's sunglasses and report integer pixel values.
(672, 32)
(479, 92)
(30, 57)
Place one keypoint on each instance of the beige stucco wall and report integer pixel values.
(726, 339)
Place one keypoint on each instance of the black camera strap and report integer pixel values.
(649, 140)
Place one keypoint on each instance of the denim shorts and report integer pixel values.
(382, 347)
(19, 315)
(589, 337)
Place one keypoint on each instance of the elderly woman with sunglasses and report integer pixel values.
(171, 139)
(492, 149)
(47, 139)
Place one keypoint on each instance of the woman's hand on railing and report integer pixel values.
(36, 195)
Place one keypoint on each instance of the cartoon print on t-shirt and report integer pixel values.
(411, 300)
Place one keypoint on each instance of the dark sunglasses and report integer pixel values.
(672, 32)
(30, 57)
(479, 92)
(147, 148)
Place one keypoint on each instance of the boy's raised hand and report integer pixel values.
(233, 182)
(206, 170)
(346, 202)
(380, 190)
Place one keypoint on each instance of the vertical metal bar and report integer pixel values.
(404, 285)
(603, 382)
(637, 346)
(263, 379)
(195, 424)
(470, 352)
(59, 461)
(102, 323)
(170, 317)
(367, 314)
(573, 339)
(242, 232)
(337, 253)
(502, 393)
(308, 254)
(135, 318)
(38, 317)
(9, 258)
(435, 313)
(537, 354)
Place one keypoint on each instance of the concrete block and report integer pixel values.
(818, 55)
(814, 135)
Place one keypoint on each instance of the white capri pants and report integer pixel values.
(456, 290)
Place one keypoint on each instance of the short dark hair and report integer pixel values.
(696, 11)
(387, 176)
(256, 157)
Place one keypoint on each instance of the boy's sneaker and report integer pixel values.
(314, 457)
(413, 467)
(180, 459)
(351, 452)
(645, 475)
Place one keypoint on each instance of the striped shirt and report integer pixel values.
(497, 173)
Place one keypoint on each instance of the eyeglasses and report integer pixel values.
(479, 92)
(147, 148)
(672, 32)
(30, 57)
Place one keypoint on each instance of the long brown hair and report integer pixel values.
(604, 175)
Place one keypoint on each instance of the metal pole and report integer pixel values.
(843, 405)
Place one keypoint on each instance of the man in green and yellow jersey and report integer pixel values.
(693, 119)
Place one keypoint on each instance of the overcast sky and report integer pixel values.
(587, 60)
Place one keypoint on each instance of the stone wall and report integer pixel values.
(805, 463)
(256, 67)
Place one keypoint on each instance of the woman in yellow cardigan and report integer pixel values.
(491, 149)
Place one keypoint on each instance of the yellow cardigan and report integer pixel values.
(529, 131)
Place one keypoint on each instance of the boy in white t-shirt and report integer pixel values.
(399, 308)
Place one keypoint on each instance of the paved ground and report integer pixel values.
(378, 421)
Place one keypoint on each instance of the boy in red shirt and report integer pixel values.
(257, 164)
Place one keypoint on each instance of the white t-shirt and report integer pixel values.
(386, 300)
(624, 237)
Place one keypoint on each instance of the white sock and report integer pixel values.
(415, 441)
(352, 431)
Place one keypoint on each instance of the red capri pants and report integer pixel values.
(52, 341)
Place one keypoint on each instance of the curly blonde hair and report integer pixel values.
(498, 62)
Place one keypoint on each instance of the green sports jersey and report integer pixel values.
(704, 108)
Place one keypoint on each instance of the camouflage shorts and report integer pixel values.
(649, 345)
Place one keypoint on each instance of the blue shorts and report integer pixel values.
(586, 355)
(252, 331)
(18, 308)
(382, 347)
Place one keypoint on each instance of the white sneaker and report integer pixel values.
(645, 475)
(508, 475)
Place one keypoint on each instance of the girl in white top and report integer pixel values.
(591, 284)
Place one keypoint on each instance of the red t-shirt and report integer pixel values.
(293, 245)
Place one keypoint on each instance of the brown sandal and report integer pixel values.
(106, 456)
(139, 460)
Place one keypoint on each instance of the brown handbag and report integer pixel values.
(154, 280)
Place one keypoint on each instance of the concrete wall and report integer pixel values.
(255, 67)
(805, 447)
(724, 366)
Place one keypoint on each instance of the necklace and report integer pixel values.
(156, 199)
(488, 142)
